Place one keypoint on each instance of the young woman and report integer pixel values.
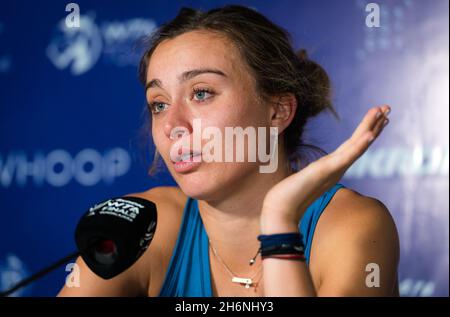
(229, 229)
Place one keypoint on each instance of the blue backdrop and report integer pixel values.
(71, 111)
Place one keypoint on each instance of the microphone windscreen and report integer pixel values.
(113, 234)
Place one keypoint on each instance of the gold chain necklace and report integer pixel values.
(247, 281)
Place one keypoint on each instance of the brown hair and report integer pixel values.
(267, 50)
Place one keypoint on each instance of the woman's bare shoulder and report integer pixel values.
(153, 264)
(348, 205)
(349, 213)
(357, 226)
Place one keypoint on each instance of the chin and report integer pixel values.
(200, 185)
(197, 191)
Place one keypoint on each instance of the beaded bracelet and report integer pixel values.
(282, 246)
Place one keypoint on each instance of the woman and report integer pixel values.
(231, 67)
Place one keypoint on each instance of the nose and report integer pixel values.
(177, 124)
(178, 132)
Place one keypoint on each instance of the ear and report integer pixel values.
(282, 110)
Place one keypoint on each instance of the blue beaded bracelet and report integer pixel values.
(282, 244)
(280, 238)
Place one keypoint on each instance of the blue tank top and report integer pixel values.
(189, 274)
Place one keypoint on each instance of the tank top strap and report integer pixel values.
(188, 274)
(312, 215)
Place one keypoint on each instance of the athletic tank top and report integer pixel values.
(189, 274)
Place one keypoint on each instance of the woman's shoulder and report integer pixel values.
(348, 209)
(354, 231)
(169, 201)
(356, 226)
(153, 264)
(349, 205)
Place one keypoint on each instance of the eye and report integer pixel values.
(156, 107)
(201, 94)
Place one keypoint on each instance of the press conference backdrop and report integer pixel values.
(71, 112)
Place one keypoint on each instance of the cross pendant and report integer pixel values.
(247, 281)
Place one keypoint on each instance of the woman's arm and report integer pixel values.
(355, 253)
(285, 203)
(286, 278)
(358, 252)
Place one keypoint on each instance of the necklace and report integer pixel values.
(247, 281)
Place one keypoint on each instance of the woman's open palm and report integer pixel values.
(289, 199)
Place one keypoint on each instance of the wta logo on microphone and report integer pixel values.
(119, 207)
(114, 233)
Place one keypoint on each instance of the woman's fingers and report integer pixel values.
(371, 120)
(368, 122)
(370, 127)
(384, 120)
(367, 131)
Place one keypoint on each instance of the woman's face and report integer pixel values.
(223, 96)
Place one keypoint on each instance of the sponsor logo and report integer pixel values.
(80, 48)
(385, 162)
(58, 167)
(416, 288)
(12, 271)
(384, 26)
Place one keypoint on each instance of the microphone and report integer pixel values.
(110, 237)
(113, 234)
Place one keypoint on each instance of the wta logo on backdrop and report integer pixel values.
(80, 48)
(58, 168)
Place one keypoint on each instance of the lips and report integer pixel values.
(188, 156)
(187, 163)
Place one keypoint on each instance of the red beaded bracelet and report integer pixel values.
(300, 257)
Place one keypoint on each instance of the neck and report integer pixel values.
(233, 223)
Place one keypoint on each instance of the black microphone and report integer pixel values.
(110, 236)
(113, 234)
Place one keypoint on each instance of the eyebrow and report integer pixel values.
(186, 76)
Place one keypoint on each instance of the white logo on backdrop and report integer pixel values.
(12, 271)
(80, 48)
(389, 22)
(58, 167)
(387, 162)
(416, 288)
